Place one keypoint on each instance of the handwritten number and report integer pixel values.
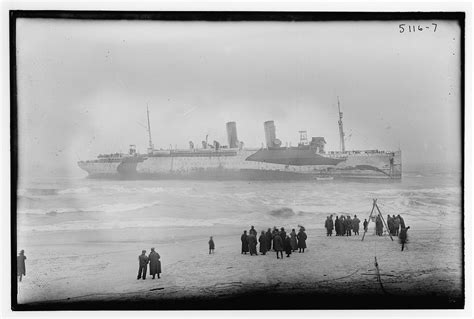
(420, 28)
(435, 25)
(402, 29)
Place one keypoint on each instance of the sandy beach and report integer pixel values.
(90, 266)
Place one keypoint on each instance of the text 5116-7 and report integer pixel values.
(416, 28)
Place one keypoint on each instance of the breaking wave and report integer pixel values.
(104, 208)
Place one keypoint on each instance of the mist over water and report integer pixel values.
(427, 198)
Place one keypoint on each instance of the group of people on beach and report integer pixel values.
(276, 240)
(155, 264)
(344, 225)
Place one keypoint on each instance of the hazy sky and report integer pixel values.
(83, 86)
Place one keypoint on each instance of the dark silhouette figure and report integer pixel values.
(329, 225)
(155, 263)
(355, 225)
(245, 242)
(293, 240)
(287, 246)
(269, 237)
(20, 265)
(252, 231)
(403, 237)
(278, 245)
(142, 265)
(337, 226)
(252, 239)
(211, 246)
(263, 243)
(301, 240)
(366, 224)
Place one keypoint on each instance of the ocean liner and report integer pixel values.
(308, 160)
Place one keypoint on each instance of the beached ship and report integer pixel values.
(308, 160)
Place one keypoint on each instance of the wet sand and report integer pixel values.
(88, 269)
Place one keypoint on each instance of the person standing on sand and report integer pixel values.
(211, 246)
(378, 226)
(343, 225)
(269, 237)
(252, 244)
(329, 225)
(337, 225)
(263, 243)
(20, 265)
(293, 240)
(287, 246)
(348, 226)
(155, 263)
(355, 225)
(142, 265)
(366, 224)
(278, 245)
(245, 243)
(396, 225)
(301, 240)
(403, 237)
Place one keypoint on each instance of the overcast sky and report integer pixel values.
(83, 86)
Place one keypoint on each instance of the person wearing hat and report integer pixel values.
(252, 231)
(155, 263)
(20, 262)
(142, 265)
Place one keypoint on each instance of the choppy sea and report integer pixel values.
(426, 197)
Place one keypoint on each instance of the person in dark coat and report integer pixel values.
(252, 239)
(269, 237)
(282, 233)
(378, 226)
(337, 226)
(396, 225)
(287, 246)
(252, 231)
(293, 240)
(343, 225)
(278, 245)
(142, 265)
(349, 226)
(263, 243)
(155, 263)
(355, 225)
(20, 265)
(390, 225)
(301, 240)
(329, 226)
(366, 225)
(245, 242)
(211, 246)
(274, 233)
(403, 237)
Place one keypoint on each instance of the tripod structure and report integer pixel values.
(375, 206)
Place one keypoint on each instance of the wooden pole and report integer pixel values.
(383, 220)
(371, 212)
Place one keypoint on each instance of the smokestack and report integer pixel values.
(269, 133)
(232, 135)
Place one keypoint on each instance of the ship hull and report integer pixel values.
(254, 165)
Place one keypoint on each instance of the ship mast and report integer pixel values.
(341, 129)
(150, 143)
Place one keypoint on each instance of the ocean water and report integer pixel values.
(427, 198)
